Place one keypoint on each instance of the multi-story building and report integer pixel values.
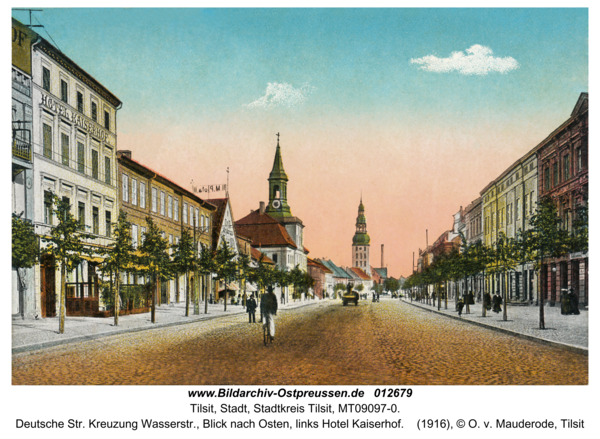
(23, 286)
(473, 233)
(361, 242)
(322, 276)
(74, 154)
(563, 168)
(145, 193)
(507, 205)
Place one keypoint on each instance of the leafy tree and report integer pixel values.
(506, 255)
(545, 238)
(579, 240)
(67, 243)
(243, 273)
(155, 259)
(391, 284)
(225, 261)
(25, 250)
(339, 287)
(206, 265)
(184, 261)
(118, 256)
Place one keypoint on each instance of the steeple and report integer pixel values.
(361, 241)
(278, 206)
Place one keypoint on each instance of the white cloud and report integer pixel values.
(282, 95)
(478, 60)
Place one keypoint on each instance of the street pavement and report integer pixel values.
(386, 343)
(570, 331)
(29, 335)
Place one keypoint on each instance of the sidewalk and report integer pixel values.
(569, 331)
(28, 335)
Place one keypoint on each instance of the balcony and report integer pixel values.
(21, 149)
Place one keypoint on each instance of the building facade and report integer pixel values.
(563, 168)
(508, 203)
(145, 193)
(23, 285)
(74, 154)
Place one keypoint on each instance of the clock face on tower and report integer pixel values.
(276, 204)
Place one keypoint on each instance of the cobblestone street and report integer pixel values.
(383, 343)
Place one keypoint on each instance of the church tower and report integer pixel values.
(361, 241)
(278, 206)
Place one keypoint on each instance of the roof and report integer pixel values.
(257, 255)
(221, 205)
(264, 231)
(134, 163)
(382, 272)
(360, 273)
(337, 271)
(278, 172)
(316, 263)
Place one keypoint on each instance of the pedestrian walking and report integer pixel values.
(565, 302)
(268, 309)
(282, 298)
(251, 308)
(459, 307)
(497, 303)
(573, 302)
(487, 301)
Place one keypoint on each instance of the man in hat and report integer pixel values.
(268, 309)
(573, 302)
(251, 308)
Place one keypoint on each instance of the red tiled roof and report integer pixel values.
(257, 255)
(360, 273)
(307, 251)
(264, 231)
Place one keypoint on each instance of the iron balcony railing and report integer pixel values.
(21, 149)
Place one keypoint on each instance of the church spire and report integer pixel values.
(278, 206)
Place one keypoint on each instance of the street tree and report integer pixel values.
(225, 262)
(25, 251)
(117, 257)
(243, 273)
(67, 243)
(544, 239)
(392, 285)
(206, 265)
(184, 261)
(155, 259)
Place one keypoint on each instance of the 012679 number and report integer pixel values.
(393, 393)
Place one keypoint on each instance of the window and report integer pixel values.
(579, 160)
(154, 197)
(547, 179)
(48, 208)
(142, 195)
(191, 216)
(94, 164)
(125, 186)
(566, 167)
(45, 79)
(95, 221)
(185, 213)
(65, 149)
(80, 157)
(106, 120)
(94, 112)
(274, 257)
(79, 102)
(555, 174)
(67, 202)
(526, 203)
(64, 91)
(47, 141)
(162, 203)
(176, 209)
(143, 234)
(170, 244)
(518, 215)
(202, 223)
(81, 211)
(196, 222)
(170, 207)
(108, 224)
(531, 202)
(134, 191)
(107, 170)
(207, 223)
(134, 236)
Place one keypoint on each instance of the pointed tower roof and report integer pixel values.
(278, 173)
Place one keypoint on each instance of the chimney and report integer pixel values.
(124, 153)
(382, 265)
(261, 209)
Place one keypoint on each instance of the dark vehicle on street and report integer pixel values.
(350, 296)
